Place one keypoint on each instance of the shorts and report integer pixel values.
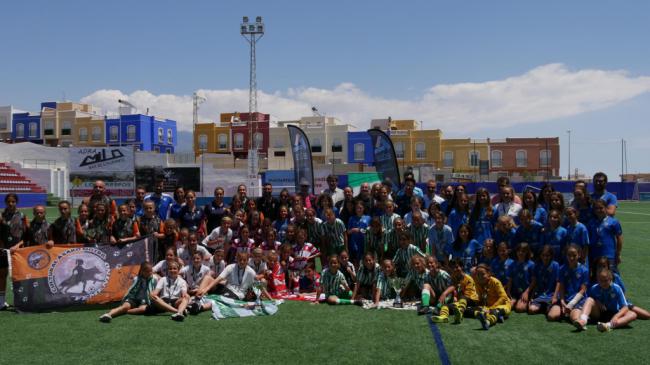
(135, 303)
(543, 302)
(606, 316)
(4, 259)
(152, 309)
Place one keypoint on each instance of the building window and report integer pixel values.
(160, 135)
(49, 128)
(83, 134)
(522, 158)
(258, 140)
(223, 141)
(170, 137)
(474, 157)
(20, 130)
(399, 150)
(3, 122)
(239, 141)
(359, 151)
(316, 145)
(32, 130)
(545, 158)
(420, 151)
(203, 142)
(114, 133)
(97, 134)
(279, 153)
(448, 159)
(67, 128)
(130, 133)
(497, 158)
(279, 143)
(337, 146)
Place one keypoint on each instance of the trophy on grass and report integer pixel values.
(258, 287)
(397, 284)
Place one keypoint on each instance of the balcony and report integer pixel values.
(66, 132)
(522, 162)
(497, 162)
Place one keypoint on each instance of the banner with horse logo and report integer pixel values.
(69, 275)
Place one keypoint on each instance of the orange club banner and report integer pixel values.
(66, 275)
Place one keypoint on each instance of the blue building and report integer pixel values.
(144, 131)
(26, 128)
(360, 148)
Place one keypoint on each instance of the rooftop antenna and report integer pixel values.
(316, 112)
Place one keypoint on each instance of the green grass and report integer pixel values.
(301, 332)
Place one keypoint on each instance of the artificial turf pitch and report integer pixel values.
(301, 332)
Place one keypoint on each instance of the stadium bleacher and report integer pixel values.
(12, 181)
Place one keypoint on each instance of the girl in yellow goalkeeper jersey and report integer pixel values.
(464, 290)
(493, 304)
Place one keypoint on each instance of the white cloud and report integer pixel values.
(543, 93)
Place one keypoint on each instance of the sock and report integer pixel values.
(444, 312)
(491, 318)
(461, 305)
(426, 298)
(612, 324)
(343, 301)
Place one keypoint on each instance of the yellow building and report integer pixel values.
(89, 131)
(412, 146)
(59, 123)
(212, 138)
(463, 154)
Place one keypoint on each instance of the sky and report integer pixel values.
(471, 68)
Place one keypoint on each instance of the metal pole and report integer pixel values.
(568, 175)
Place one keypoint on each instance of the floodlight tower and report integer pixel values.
(196, 101)
(252, 32)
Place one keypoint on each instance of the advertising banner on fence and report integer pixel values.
(187, 177)
(302, 162)
(385, 158)
(114, 165)
(73, 274)
(91, 159)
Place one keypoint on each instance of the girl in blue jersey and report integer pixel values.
(529, 201)
(459, 214)
(502, 264)
(357, 226)
(488, 253)
(555, 235)
(505, 230)
(530, 231)
(465, 248)
(605, 235)
(544, 284)
(577, 233)
(603, 263)
(606, 304)
(482, 216)
(582, 203)
(521, 274)
(574, 280)
(441, 238)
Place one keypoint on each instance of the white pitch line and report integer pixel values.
(624, 212)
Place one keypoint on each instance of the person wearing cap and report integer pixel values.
(333, 190)
(308, 200)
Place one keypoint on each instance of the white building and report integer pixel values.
(327, 135)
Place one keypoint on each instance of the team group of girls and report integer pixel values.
(481, 257)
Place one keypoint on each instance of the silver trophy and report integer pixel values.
(397, 284)
(258, 287)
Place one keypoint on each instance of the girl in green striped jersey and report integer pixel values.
(366, 278)
(334, 285)
(383, 290)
